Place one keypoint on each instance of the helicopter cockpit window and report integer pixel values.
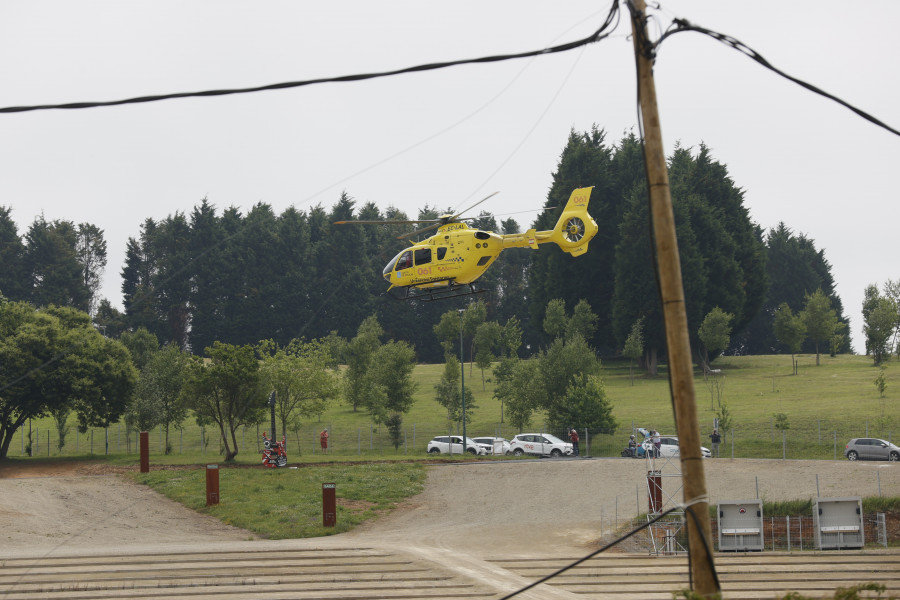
(405, 261)
(441, 252)
(423, 256)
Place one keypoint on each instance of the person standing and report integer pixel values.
(573, 437)
(657, 442)
(323, 440)
(715, 439)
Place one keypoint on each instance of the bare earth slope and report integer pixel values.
(542, 506)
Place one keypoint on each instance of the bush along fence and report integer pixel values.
(815, 438)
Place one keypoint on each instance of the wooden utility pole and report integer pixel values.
(678, 347)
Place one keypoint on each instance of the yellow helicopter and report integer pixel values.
(457, 255)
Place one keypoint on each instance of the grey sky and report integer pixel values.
(442, 138)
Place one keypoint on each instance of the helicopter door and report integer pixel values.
(423, 256)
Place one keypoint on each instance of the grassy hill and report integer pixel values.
(824, 406)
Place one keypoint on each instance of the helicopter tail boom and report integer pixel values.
(574, 229)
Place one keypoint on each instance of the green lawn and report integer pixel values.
(824, 405)
(287, 503)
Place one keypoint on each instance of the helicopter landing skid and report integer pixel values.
(432, 294)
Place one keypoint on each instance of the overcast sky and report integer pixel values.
(444, 138)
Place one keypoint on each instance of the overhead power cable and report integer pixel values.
(682, 25)
(598, 35)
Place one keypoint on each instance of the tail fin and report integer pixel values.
(575, 227)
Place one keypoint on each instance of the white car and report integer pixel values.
(453, 444)
(668, 447)
(542, 444)
(493, 445)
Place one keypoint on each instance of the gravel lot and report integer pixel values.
(550, 506)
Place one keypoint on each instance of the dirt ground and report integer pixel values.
(552, 506)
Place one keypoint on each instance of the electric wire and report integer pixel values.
(682, 25)
(591, 555)
(446, 129)
(528, 134)
(611, 23)
(140, 298)
(594, 37)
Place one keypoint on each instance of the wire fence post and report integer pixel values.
(787, 528)
(783, 445)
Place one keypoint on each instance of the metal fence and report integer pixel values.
(782, 534)
(816, 438)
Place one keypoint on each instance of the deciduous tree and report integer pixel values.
(879, 324)
(360, 353)
(714, 334)
(820, 319)
(303, 378)
(634, 345)
(53, 359)
(226, 390)
(790, 330)
(160, 386)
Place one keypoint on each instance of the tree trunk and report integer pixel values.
(229, 455)
(4, 445)
(652, 362)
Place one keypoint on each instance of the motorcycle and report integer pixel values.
(274, 453)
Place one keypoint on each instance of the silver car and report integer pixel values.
(871, 449)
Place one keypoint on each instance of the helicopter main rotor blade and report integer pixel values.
(473, 206)
(422, 230)
(384, 222)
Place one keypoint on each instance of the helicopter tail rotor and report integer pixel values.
(575, 227)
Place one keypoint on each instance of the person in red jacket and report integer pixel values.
(573, 437)
(323, 440)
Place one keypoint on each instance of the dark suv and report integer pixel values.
(871, 449)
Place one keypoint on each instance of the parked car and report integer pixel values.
(542, 444)
(493, 445)
(871, 449)
(668, 447)
(453, 444)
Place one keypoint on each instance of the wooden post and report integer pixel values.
(329, 505)
(145, 452)
(212, 484)
(681, 373)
